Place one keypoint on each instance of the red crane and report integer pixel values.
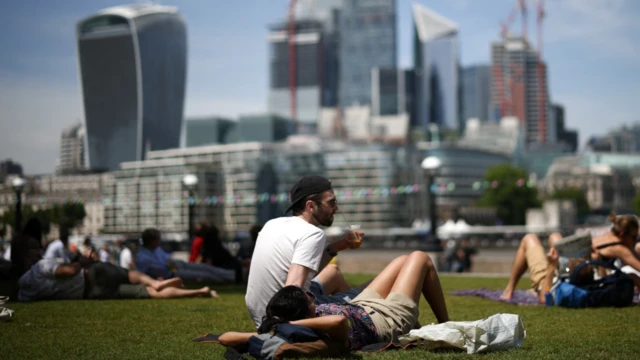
(292, 62)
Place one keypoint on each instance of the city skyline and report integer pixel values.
(589, 49)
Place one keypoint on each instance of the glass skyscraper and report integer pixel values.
(132, 68)
(436, 63)
(476, 92)
(367, 39)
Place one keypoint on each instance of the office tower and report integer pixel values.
(207, 131)
(476, 92)
(308, 71)
(367, 39)
(519, 88)
(8, 167)
(72, 156)
(392, 92)
(436, 54)
(132, 68)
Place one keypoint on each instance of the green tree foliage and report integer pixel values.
(576, 194)
(636, 203)
(68, 216)
(507, 191)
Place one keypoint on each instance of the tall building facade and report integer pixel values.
(476, 92)
(519, 88)
(309, 44)
(436, 54)
(564, 136)
(207, 131)
(393, 92)
(367, 39)
(72, 155)
(132, 68)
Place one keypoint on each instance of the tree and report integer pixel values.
(68, 216)
(507, 191)
(636, 202)
(9, 217)
(576, 194)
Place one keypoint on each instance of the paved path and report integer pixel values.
(491, 262)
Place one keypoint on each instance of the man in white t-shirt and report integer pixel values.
(126, 257)
(57, 250)
(292, 250)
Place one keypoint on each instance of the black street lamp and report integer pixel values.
(430, 165)
(190, 182)
(18, 185)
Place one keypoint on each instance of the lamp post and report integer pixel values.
(190, 182)
(18, 185)
(430, 165)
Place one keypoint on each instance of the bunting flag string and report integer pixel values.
(283, 197)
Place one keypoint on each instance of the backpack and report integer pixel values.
(614, 290)
(287, 341)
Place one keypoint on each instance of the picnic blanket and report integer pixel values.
(520, 297)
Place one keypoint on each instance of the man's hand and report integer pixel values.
(552, 256)
(350, 240)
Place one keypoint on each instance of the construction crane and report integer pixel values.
(510, 81)
(292, 62)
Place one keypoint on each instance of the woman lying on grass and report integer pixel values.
(386, 308)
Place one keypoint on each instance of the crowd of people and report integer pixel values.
(287, 271)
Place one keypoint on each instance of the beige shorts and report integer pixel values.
(537, 262)
(394, 316)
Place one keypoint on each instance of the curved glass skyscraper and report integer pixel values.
(132, 67)
(436, 63)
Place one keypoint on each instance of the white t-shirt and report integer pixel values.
(40, 283)
(126, 258)
(56, 251)
(7, 253)
(104, 255)
(281, 242)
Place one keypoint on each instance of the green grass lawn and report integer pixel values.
(163, 329)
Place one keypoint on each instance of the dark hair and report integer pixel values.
(623, 225)
(288, 304)
(298, 207)
(149, 235)
(202, 228)
(254, 231)
(33, 228)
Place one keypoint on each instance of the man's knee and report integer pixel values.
(555, 236)
(530, 240)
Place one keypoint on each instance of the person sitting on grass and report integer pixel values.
(153, 261)
(386, 308)
(617, 243)
(50, 280)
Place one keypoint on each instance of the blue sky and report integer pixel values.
(592, 48)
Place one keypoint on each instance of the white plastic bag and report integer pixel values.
(497, 332)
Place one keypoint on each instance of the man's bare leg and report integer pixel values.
(172, 292)
(519, 264)
(332, 280)
(136, 277)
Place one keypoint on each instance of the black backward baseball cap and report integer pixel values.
(307, 185)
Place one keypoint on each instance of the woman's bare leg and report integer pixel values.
(332, 280)
(383, 283)
(172, 292)
(519, 264)
(136, 277)
(418, 275)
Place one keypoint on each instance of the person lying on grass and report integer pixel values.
(386, 308)
(615, 244)
(50, 280)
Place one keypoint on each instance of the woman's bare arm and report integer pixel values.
(235, 339)
(335, 326)
(627, 257)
